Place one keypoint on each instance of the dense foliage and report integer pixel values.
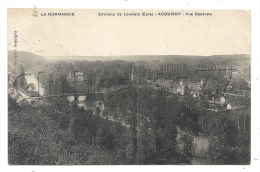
(226, 144)
(58, 134)
(139, 125)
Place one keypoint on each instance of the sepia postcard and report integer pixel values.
(129, 87)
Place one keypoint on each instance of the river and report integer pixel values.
(32, 79)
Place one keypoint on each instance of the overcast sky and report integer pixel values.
(87, 34)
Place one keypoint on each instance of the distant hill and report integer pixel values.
(159, 58)
(28, 60)
(225, 61)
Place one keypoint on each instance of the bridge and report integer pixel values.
(95, 96)
(92, 96)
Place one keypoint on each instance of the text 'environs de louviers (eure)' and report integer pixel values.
(155, 14)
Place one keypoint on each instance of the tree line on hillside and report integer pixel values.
(95, 73)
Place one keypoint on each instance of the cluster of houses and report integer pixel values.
(213, 101)
(222, 105)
